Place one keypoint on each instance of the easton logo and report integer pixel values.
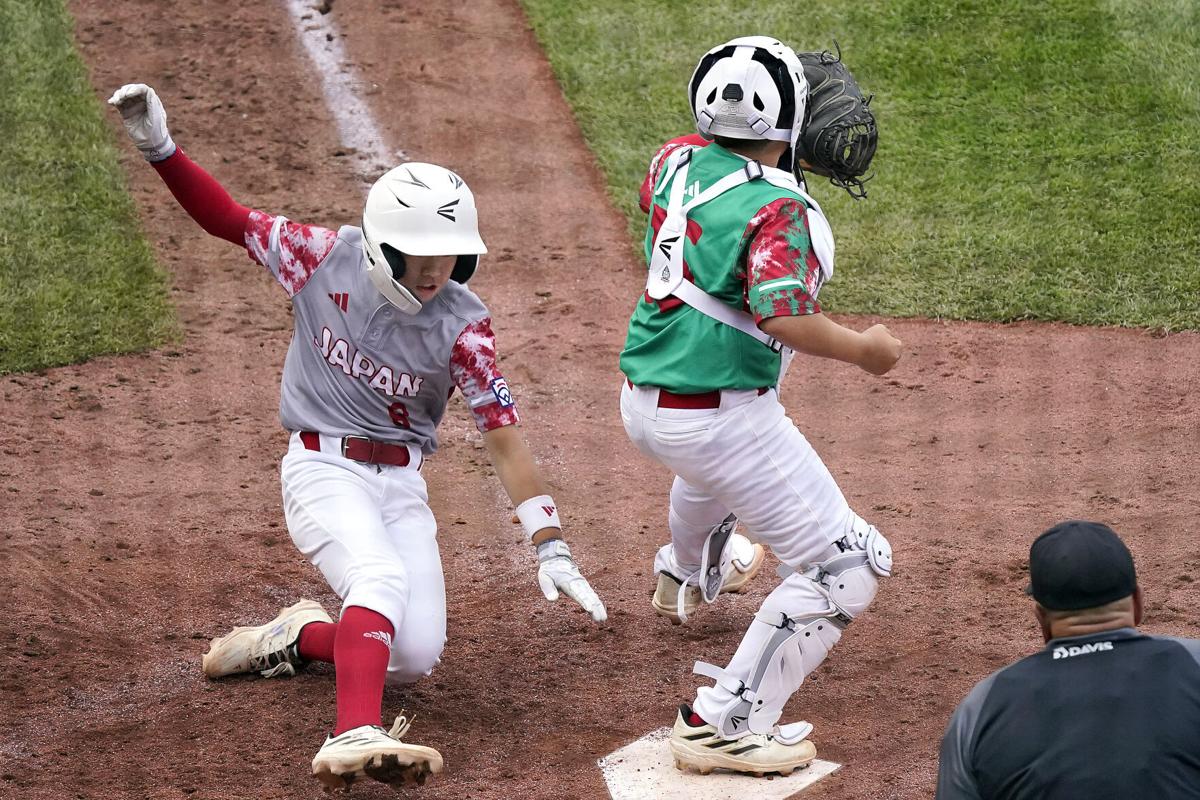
(381, 636)
(340, 299)
(1081, 650)
(413, 179)
(666, 244)
(446, 211)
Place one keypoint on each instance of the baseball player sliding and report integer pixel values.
(385, 331)
(737, 253)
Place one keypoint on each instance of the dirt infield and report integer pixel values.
(143, 500)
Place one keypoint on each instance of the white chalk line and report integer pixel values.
(356, 125)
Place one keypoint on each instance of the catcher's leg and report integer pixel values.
(792, 633)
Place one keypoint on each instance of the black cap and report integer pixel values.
(1079, 564)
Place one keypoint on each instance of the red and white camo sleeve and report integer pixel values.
(296, 252)
(477, 375)
(646, 194)
(782, 272)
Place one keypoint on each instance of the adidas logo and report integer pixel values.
(549, 510)
(340, 299)
(382, 636)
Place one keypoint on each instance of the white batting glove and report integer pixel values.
(145, 120)
(558, 571)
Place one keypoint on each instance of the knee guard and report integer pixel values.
(798, 644)
(851, 577)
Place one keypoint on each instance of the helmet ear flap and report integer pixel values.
(464, 268)
(395, 260)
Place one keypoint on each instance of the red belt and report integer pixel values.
(691, 401)
(360, 448)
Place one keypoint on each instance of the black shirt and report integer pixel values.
(1099, 717)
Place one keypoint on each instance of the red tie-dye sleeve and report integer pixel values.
(783, 274)
(291, 251)
(475, 372)
(646, 195)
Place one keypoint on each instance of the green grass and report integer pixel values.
(1038, 159)
(77, 278)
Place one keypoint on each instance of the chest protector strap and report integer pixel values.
(665, 277)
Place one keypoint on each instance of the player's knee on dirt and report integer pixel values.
(412, 661)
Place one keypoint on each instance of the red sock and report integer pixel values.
(316, 641)
(361, 651)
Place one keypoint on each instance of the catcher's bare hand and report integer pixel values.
(145, 120)
(881, 350)
(558, 571)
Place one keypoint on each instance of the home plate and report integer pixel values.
(645, 770)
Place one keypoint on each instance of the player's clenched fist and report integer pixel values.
(145, 120)
(881, 350)
(557, 571)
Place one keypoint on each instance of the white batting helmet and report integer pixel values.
(422, 210)
(752, 87)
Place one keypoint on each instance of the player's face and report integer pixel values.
(425, 276)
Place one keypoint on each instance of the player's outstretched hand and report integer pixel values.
(882, 350)
(557, 571)
(145, 120)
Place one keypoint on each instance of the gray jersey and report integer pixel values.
(1113, 715)
(357, 365)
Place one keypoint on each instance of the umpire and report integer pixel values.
(1103, 712)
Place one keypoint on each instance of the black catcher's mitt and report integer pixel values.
(839, 136)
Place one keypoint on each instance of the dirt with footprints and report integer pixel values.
(142, 492)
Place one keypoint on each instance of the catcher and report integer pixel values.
(737, 253)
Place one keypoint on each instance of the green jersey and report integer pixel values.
(748, 247)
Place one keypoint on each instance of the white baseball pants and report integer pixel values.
(748, 458)
(370, 531)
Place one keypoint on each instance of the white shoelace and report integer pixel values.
(279, 669)
(401, 725)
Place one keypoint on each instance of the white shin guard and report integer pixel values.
(717, 558)
(716, 564)
(796, 645)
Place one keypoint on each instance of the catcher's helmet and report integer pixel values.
(422, 210)
(752, 87)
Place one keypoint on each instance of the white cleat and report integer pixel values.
(747, 560)
(700, 747)
(269, 649)
(370, 751)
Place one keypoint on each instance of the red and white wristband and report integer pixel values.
(537, 513)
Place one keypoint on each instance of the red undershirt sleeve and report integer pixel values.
(203, 198)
